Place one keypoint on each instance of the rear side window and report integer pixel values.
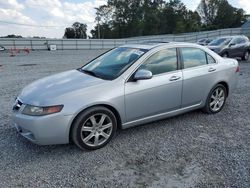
(238, 40)
(243, 40)
(193, 57)
(161, 62)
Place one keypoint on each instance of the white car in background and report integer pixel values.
(2, 48)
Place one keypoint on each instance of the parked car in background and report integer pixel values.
(124, 87)
(2, 48)
(204, 42)
(231, 46)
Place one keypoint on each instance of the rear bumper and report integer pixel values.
(43, 130)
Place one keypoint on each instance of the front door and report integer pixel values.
(161, 93)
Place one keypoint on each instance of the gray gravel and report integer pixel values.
(191, 150)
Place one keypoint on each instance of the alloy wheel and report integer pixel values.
(217, 99)
(96, 130)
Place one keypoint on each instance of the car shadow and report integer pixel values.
(23, 144)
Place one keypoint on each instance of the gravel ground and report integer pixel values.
(190, 150)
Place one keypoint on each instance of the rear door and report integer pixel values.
(237, 49)
(242, 46)
(199, 70)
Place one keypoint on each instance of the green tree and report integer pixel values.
(78, 31)
(69, 33)
(104, 19)
(176, 18)
(217, 14)
(152, 13)
(232, 17)
(105, 31)
(128, 18)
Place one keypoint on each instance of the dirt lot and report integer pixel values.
(191, 150)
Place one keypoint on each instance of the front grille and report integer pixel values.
(17, 105)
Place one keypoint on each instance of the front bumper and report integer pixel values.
(43, 130)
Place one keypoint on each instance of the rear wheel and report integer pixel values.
(94, 128)
(245, 56)
(216, 99)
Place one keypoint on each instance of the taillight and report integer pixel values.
(237, 69)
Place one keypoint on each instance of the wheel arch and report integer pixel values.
(225, 52)
(225, 84)
(247, 50)
(111, 108)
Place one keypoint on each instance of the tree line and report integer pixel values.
(130, 18)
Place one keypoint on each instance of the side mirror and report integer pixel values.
(143, 74)
(232, 44)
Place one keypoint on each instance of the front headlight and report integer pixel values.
(41, 111)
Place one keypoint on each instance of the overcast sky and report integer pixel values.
(61, 13)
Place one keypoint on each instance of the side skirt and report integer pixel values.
(160, 116)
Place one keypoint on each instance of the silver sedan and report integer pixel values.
(124, 87)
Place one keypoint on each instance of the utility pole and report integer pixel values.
(98, 19)
(98, 25)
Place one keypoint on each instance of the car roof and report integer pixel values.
(151, 45)
(146, 46)
(233, 36)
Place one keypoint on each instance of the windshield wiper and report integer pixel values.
(89, 72)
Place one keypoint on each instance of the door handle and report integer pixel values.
(174, 78)
(211, 69)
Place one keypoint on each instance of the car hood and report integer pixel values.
(47, 89)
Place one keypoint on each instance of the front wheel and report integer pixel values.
(94, 128)
(225, 55)
(216, 99)
(245, 56)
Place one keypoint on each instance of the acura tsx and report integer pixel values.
(124, 87)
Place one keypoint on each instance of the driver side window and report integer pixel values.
(161, 62)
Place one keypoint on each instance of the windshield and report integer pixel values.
(113, 63)
(202, 40)
(220, 41)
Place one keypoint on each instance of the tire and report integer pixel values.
(245, 56)
(94, 128)
(215, 100)
(225, 55)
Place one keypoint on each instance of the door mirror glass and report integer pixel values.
(232, 44)
(143, 74)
